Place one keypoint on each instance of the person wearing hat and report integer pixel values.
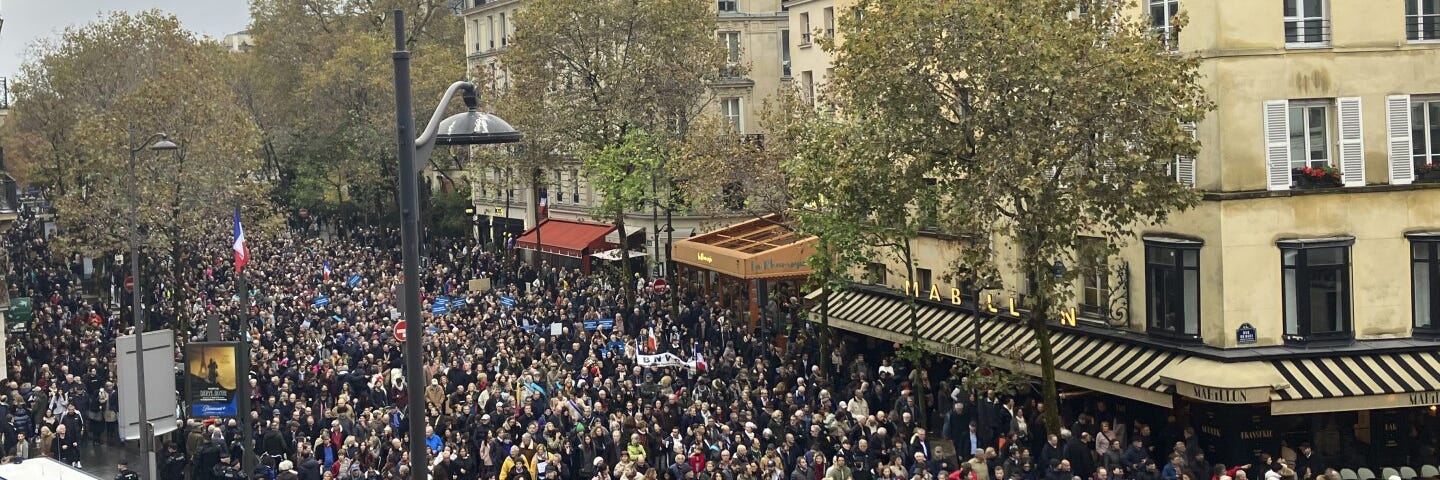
(125, 473)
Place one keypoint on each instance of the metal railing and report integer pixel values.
(1422, 27)
(805, 39)
(1313, 31)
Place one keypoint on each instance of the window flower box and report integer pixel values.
(1427, 173)
(1313, 177)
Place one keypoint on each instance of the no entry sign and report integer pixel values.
(400, 330)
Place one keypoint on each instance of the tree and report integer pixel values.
(316, 84)
(1041, 122)
(184, 196)
(617, 173)
(584, 75)
(856, 197)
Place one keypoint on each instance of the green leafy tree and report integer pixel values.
(1042, 122)
(584, 75)
(185, 196)
(617, 173)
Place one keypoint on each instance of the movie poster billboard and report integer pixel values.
(212, 376)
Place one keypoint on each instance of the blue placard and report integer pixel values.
(507, 302)
(1245, 334)
(353, 280)
(441, 306)
(432, 330)
(456, 303)
(607, 324)
(591, 325)
(322, 300)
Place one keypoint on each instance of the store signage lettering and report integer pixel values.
(704, 258)
(772, 265)
(1067, 316)
(1222, 395)
(1425, 398)
(1257, 434)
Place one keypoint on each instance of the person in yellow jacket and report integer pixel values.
(517, 467)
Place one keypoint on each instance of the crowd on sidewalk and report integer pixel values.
(510, 400)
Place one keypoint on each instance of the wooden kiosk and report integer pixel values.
(745, 264)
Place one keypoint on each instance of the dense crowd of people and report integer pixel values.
(510, 400)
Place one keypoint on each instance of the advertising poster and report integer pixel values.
(212, 372)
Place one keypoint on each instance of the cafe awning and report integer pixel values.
(1216, 382)
(1098, 363)
(760, 248)
(571, 239)
(1358, 382)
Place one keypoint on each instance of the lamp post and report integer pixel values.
(147, 432)
(468, 128)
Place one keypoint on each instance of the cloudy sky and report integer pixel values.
(29, 20)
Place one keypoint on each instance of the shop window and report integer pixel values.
(1172, 288)
(1316, 279)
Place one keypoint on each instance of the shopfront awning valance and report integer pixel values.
(1093, 362)
(1358, 382)
(759, 248)
(1231, 383)
(571, 239)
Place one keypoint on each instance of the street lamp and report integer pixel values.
(469, 128)
(157, 142)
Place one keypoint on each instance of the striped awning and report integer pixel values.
(1358, 382)
(1094, 362)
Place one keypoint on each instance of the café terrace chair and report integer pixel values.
(1365, 473)
(1348, 474)
(1407, 473)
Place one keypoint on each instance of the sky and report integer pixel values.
(29, 20)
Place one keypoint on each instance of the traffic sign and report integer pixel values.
(129, 284)
(660, 287)
(400, 330)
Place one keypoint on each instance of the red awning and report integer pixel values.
(571, 239)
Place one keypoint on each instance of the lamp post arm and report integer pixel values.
(148, 140)
(427, 138)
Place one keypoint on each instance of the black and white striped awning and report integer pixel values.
(1094, 362)
(1358, 382)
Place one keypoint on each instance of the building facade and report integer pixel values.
(753, 31)
(1301, 294)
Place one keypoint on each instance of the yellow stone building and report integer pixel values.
(1303, 290)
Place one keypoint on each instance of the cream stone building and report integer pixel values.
(1282, 301)
(755, 34)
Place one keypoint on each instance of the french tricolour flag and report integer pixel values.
(242, 253)
(700, 359)
(326, 274)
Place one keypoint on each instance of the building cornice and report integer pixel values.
(489, 6)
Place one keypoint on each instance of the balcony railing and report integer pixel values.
(805, 39)
(1422, 27)
(1307, 33)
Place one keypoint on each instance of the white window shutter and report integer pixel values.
(1185, 165)
(1277, 144)
(1352, 142)
(1397, 122)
